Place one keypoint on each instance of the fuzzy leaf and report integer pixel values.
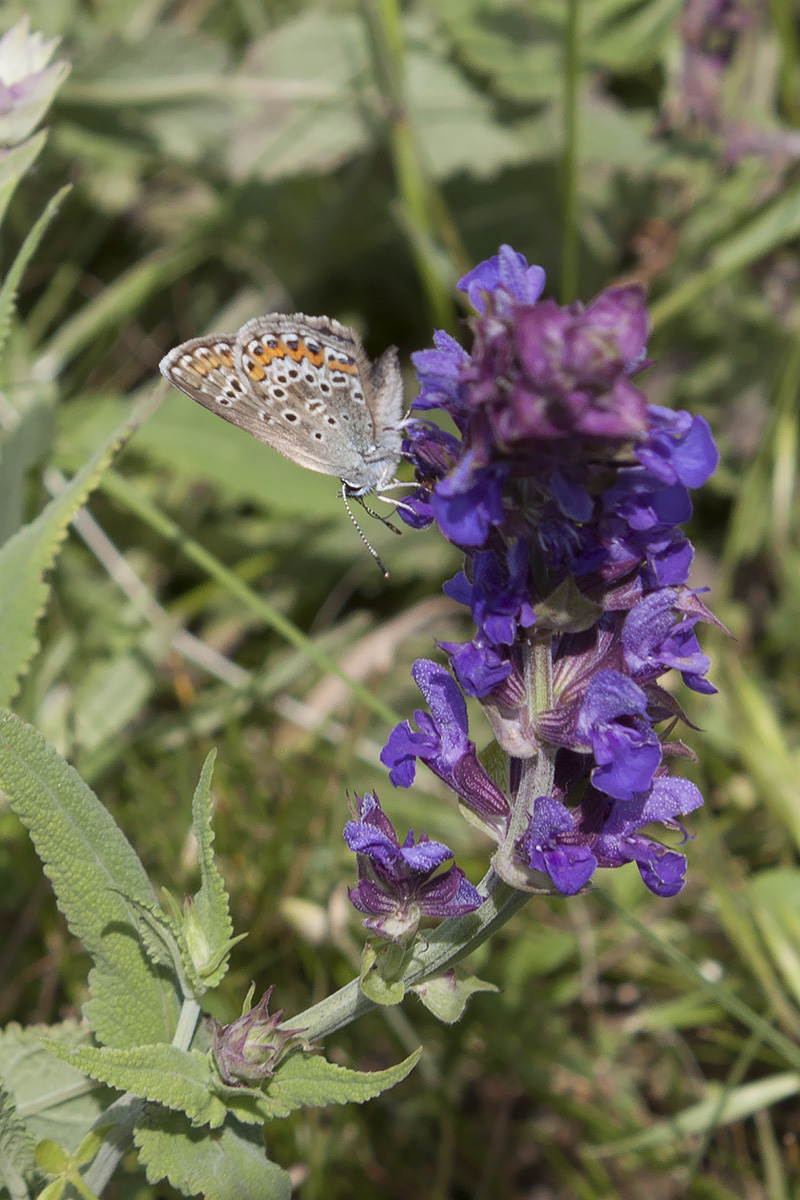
(8, 291)
(179, 1079)
(209, 920)
(29, 554)
(16, 1148)
(446, 995)
(85, 855)
(227, 1164)
(308, 1081)
(54, 1099)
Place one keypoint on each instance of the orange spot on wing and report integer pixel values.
(226, 358)
(349, 368)
(200, 365)
(317, 359)
(256, 372)
(269, 352)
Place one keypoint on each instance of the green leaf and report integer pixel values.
(308, 1081)
(29, 554)
(446, 995)
(773, 895)
(159, 934)
(179, 1079)
(209, 929)
(52, 1158)
(454, 122)
(309, 110)
(14, 163)
(53, 1099)
(16, 1148)
(772, 226)
(8, 291)
(721, 1106)
(23, 443)
(85, 855)
(54, 1190)
(225, 1164)
(381, 968)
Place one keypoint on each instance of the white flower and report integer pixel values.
(27, 83)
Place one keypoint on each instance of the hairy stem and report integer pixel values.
(119, 1119)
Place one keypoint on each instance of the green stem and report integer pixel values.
(119, 1119)
(437, 950)
(423, 214)
(118, 486)
(569, 183)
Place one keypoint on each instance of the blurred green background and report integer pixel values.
(232, 157)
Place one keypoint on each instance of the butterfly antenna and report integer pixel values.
(362, 535)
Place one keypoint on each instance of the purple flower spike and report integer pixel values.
(443, 744)
(613, 722)
(398, 884)
(566, 490)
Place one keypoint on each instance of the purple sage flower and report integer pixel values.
(443, 744)
(401, 883)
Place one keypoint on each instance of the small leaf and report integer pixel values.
(85, 855)
(306, 1081)
(379, 978)
(179, 1079)
(88, 1148)
(54, 1190)
(225, 1164)
(28, 555)
(52, 1158)
(8, 292)
(210, 931)
(446, 996)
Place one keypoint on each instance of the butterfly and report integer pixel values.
(304, 386)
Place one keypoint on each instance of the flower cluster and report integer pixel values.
(566, 491)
